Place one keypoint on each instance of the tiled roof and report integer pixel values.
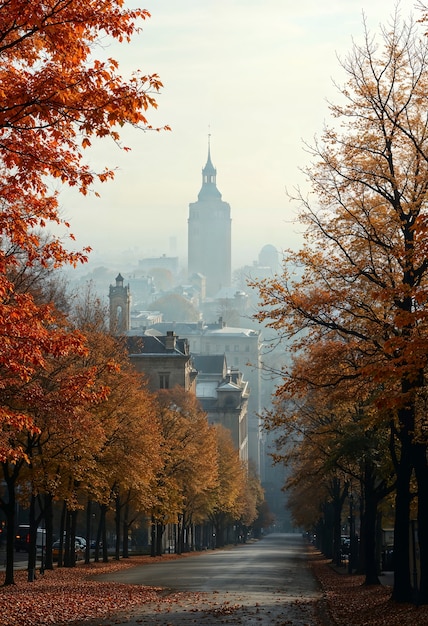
(210, 363)
(153, 345)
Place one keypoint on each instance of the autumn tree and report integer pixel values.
(127, 458)
(337, 429)
(306, 442)
(189, 455)
(59, 397)
(56, 97)
(252, 499)
(198, 469)
(130, 458)
(361, 284)
(265, 519)
(176, 308)
(329, 436)
(163, 278)
(228, 502)
(50, 340)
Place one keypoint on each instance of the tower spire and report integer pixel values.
(209, 233)
(209, 175)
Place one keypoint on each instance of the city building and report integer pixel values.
(168, 263)
(209, 234)
(242, 350)
(168, 360)
(223, 394)
(165, 361)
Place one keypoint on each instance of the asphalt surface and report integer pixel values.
(268, 582)
(20, 560)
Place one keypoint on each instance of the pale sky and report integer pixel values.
(256, 75)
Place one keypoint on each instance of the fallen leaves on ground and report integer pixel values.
(350, 603)
(65, 595)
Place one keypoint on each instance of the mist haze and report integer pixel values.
(254, 75)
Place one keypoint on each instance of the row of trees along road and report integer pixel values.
(352, 303)
(76, 424)
(57, 97)
(95, 436)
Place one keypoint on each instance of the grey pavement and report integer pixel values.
(269, 582)
(20, 560)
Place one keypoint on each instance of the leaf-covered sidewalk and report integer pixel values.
(66, 596)
(348, 602)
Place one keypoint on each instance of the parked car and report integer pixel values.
(78, 550)
(345, 546)
(81, 541)
(22, 538)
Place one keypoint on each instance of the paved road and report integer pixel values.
(267, 582)
(20, 560)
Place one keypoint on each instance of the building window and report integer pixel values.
(247, 348)
(164, 380)
(227, 348)
(236, 348)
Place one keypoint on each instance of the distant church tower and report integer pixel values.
(120, 307)
(209, 233)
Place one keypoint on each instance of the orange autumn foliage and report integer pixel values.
(352, 301)
(56, 98)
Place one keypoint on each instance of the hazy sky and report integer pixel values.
(255, 74)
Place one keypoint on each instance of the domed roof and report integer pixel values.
(269, 257)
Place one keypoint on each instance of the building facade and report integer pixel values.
(209, 234)
(165, 361)
(223, 394)
(242, 350)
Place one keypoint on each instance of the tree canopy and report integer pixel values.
(56, 96)
(351, 302)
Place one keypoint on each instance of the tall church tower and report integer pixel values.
(120, 307)
(209, 233)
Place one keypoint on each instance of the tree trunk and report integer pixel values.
(370, 517)
(160, 528)
(361, 566)
(117, 526)
(125, 532)
(338, 497)
(104, 532)
(62, 531)
(98, 539)
(88, 531)
(327, 531)
(48, 561)
(153, 537)
(420, 462)
(31, 571)
(9, 507)
(402, 589)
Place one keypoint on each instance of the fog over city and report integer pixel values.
(255, 76)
